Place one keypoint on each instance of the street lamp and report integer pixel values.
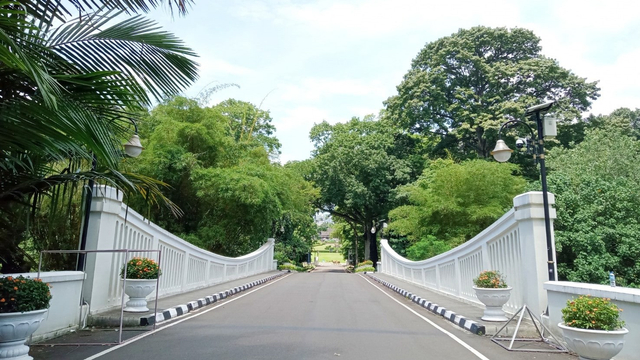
(133, 148)
(502, 153)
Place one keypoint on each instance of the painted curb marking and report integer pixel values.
(451, 316)
(199, 303)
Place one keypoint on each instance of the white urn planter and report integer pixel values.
(138, 290)
(15, 328)
(493, 299)
(593, 344)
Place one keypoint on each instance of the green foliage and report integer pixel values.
(594, 313)
(426, 248)
(490, 279)
(20, 294)
(366, 262)
(357, 165)
(141, 268)
(597, 229)
(296, 267)
(249, 124)
(460, 88)
(69, 89)
(232, 195)
(453, 202)
(365, 268)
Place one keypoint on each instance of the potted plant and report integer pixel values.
(23, 306)
(592, 327)
(493, 292)
(140, 280)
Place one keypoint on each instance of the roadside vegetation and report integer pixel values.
(211, 174)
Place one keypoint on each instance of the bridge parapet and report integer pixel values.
(185, 267)
(515, 245)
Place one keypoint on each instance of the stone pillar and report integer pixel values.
(529, 214)
(106, 205)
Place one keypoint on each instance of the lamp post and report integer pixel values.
(502, 153)
(133, 148)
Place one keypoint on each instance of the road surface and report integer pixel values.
(327, 314)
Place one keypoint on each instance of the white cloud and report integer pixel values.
(300, 119)
(209, 64)
(383, 17)
(619, 83)
(318, 88)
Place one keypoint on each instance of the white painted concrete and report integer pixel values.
(185, 267)
(515, 245)
(626, 298)
(64, 308)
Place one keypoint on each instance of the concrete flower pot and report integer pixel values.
(593, 344)
(493, 299)
(15, 328)
(138, 290)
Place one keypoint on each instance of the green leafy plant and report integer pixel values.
(141, 268)
(365, 268)
(20, 294)
(490, 279)
(595, 313)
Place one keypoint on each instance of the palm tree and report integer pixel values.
(69, 90)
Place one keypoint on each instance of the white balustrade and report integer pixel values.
(515, 245)
(185, 267)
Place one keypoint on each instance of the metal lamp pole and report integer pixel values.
(133, 148)
(502, 153)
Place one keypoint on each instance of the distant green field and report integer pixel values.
(325, 255)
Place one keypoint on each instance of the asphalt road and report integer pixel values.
(322, 315)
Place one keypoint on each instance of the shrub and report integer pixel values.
(295, 267)
(595, 313)
(490, 279)
(365, 268)
(366, 262)
(20, 294)
(141, 268)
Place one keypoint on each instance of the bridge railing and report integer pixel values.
(515, 245)
(185, 267)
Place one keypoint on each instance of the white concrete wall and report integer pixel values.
(627, 299)
(185, 267)
(515, 245)
(64, 308)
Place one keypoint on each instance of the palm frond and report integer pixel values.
(136, 47)
(22, 52)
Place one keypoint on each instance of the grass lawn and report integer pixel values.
(325, 255)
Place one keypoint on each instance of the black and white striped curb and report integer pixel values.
(196, 304)
(459, 320)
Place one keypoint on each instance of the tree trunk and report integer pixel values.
(367, 246)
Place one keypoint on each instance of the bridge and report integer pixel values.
(212, 306)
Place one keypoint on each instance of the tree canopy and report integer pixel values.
(357, 165)
(233, 197)
(452, 202)
(595, 183)
(460, 88)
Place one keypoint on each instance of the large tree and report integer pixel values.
(357, 165)
(596, 182)
(460, 88)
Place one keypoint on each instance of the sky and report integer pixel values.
(309, 61)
